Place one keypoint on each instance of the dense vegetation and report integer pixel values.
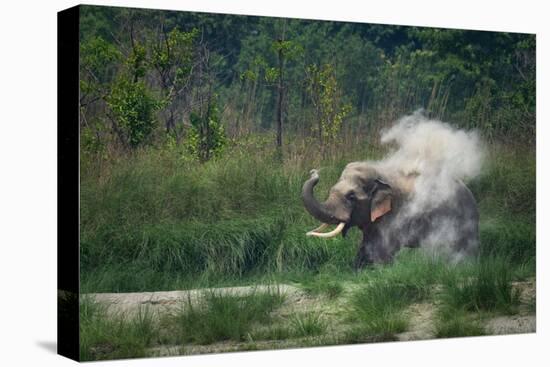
(206, 81)
(198, 131)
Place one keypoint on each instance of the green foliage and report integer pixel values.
(90, 139)
(97, 58)
(176, 51)
(172, 57)
(137, 62)
(206, 137)
(271, 75)
(326, 97)
(483, 80)
(289, 48)
(133, 108)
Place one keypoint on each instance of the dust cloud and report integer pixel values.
(437, 158)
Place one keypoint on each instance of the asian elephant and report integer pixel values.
(388, 207)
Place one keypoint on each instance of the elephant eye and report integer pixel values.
(350, 196)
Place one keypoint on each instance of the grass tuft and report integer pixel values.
(308, 324)
(486, 287)
(378, 307)
(458, 324)
(113, 337)
(222, 317)
(324, 284)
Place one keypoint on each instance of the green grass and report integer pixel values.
(464, 295)
(308, 324)
(457, 324)
(486, 286)
(218, 318)
(413, 268)
(323, 284)
(506, 193)
(103, 337)
(379, 307)
(222, 317)
(474, 292)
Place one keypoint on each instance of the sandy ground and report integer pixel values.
(421, 315)
(159, 302)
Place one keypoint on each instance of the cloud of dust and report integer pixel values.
(436, 156)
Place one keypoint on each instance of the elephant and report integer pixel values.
(388, 207)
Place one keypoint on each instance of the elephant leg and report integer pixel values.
(373, 249)
(380, 254)
(362, 257)
(372, 253)
(466, 246)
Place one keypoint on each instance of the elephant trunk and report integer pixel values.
(315, 208)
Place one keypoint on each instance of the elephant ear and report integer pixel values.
(381, 201)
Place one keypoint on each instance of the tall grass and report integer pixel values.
(169, 219)
(452, 324)
(157, 220)
(379, 306)
(308, 324)
(221, 317)
(506, 192)
(472, 292)
(486, 286)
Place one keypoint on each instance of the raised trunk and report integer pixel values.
(315, 208)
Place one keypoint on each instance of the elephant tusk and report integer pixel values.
(320, 228)
(333, 233)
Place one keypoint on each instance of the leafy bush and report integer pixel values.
(206, 138)
(133, 108)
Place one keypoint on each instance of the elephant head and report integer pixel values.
(362, 196)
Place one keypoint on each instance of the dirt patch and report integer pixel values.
(421, 322)
(527, 295)
(511, 325)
